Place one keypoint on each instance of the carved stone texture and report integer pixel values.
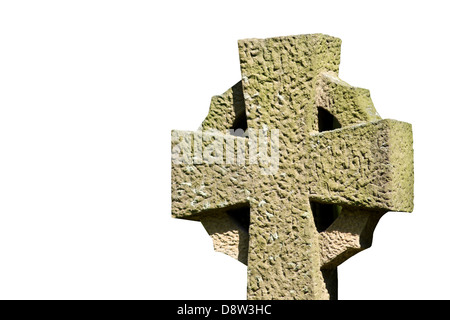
(340, 167)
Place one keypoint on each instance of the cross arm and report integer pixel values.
(368, 165)
(206, 175)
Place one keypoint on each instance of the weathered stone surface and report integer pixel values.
(364, 165)
(340, 167)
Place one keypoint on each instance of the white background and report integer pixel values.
(89, 91)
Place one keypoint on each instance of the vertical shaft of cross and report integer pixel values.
(279, 76)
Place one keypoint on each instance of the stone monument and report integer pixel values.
(292, 168)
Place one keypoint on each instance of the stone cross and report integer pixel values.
(335, 168)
